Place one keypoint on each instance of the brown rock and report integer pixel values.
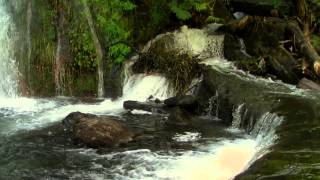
(96, 131)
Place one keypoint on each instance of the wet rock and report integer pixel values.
(282, 64)
(186, 101)
(308, 84)
(179, 118)
(95, 131)
(232, 48)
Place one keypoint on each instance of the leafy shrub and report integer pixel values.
(110, 20)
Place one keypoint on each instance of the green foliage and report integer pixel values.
(85, 85)
(183, 9)
(276, 3)
(212, 19)
(315, 41)
(119, 52)
(110, 20)
(82, 45)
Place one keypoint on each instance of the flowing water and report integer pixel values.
(31, 150)
(8, 72)
(34, 146)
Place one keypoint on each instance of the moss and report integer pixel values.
(85, 85)
(43, 46)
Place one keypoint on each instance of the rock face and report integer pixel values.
(95, 131)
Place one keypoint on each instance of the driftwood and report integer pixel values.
(304, 46)
(301, 42)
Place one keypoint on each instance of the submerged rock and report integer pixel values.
(96, 131)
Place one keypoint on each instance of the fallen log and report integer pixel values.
(305, 47)
(145, 106)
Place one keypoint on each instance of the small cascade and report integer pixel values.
(59, 73)
(265, 128)
(139, 87)
(213, 107)
(237, 114)
(8, 68)
(29, 45)
(98, 48)
(262, 129)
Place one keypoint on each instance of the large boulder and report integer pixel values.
(96, 131)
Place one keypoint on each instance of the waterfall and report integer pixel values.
(59, 64)
(29, 45)
(8, 67)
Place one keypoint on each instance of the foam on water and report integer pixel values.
(219, 161)
(39, 112)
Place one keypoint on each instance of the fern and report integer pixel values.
(199, 7)
(128, 6)
(212, 19)
(276, 3)
(112, 24)
(179, 11)
(119, 52)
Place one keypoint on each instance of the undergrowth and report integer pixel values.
(179, 67)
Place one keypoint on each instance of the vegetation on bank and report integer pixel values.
(123, 27)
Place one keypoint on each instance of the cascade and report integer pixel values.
(98, 48)
(8, 68)
(29, 45)
(59, 70)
